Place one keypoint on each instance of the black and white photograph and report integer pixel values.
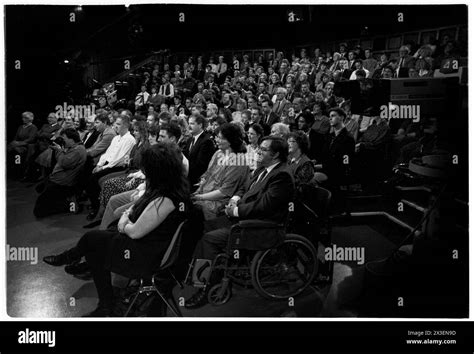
(234, 160)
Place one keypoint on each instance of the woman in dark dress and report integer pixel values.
(144, 231)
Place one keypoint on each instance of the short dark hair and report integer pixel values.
(153, 130)
(103, 117)
(164, 116)
(360, 72)
(199, 119)
(278, 145)
(172, 129)
(125, 120)
(301, 140)
(270, 103)
(232, 133)
(71, 133)
(339, 111)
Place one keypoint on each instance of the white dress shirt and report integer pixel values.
(141, 98)
(118, 153)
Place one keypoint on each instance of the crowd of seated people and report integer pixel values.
(283, 116)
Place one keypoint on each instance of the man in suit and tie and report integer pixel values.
(281, 105)
(199, 149)
(269, 117)
(268, 195)
(404, 62)
(92, 134)
(221, 70)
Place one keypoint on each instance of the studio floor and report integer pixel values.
(41, 291)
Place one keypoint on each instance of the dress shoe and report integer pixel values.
(77, 268)
(199, 299)
(64, 258)
(100, 311)
(92, 224)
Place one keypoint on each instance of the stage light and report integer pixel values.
(79, 8)
(66, 61)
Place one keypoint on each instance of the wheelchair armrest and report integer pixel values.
(259, 224)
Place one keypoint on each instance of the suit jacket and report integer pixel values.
(337, 155)
(272, 119)
(267, 123)
(281, 107)
(90, 139)
(199, 156)
(223, 69)
(269, 198)
(102, 143)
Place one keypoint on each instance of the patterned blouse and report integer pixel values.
(226, 173)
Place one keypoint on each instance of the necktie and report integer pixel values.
(278, 107)
(191, 145)
(260, 178)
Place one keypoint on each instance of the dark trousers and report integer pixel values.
(93, 188)
(215, 241)
(94, 245)
(52, 200)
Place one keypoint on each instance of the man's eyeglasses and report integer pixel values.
(264, 149)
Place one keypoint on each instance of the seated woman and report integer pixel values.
(143, 232)
(122, 181)
(226, 174)
(254, 135)
(300, 165)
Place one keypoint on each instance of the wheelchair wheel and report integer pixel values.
(219, 294)
(285, 271)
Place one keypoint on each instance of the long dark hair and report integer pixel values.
(232, 133)
(163, 168)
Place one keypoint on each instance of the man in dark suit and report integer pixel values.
(338, 150)
(92, 134)
(199, 149)
(281, 105)
(404, 62)
(268, 195)
(337, 156)
(269, 117)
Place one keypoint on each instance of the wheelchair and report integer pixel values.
(266, 256)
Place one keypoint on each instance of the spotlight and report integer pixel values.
(66, 61)
(79, 8)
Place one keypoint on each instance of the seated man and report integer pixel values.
(115, 159)
(70, 161)
(25, 135)
(43, 139)
(270, 191)
(106, 134)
